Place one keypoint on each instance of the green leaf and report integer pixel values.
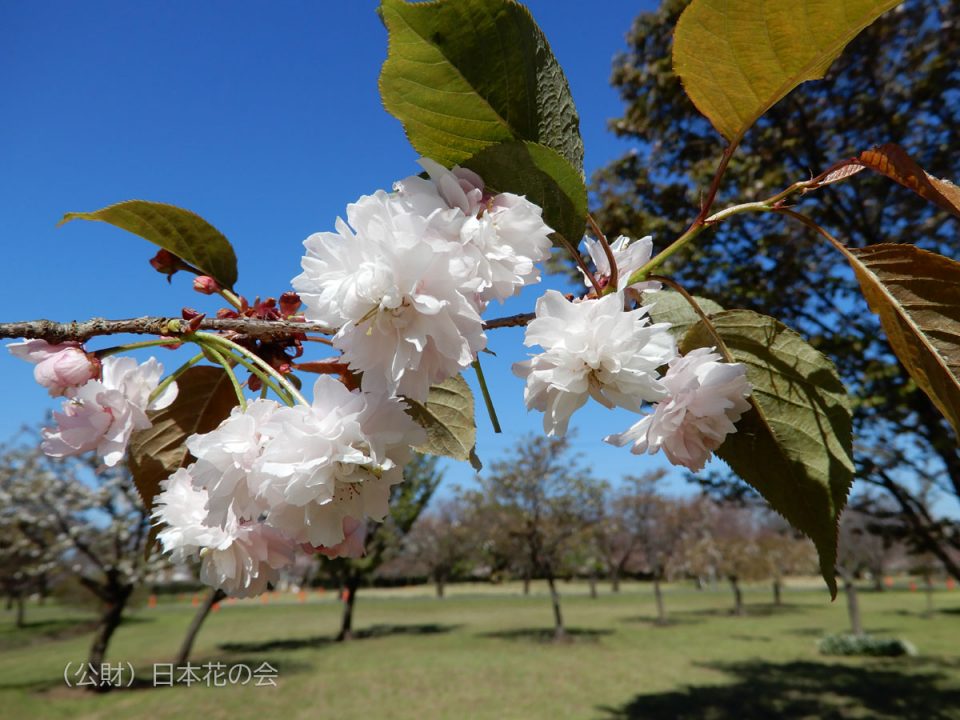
(916, 293)
(543, 176)
(204, 399)
(737, 58)
(448, 418)
(670, 306)
(464, 74)
(794, 445)
(183, 233)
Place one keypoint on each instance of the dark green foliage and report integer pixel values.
(897, 82)
(868, 645)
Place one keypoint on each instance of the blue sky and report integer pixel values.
(265, 119)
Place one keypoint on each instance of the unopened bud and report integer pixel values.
(193, 318)
(206, 285)
(289, 304)
(167, 263)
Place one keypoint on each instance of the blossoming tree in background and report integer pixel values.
(244, 467)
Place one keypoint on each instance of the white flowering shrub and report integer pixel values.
(243, 464)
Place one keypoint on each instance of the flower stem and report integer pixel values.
(116, 350)
(267, 381)
(231, 298)
(486, 396)
(218, 356)
(692, 232)
(256, 360)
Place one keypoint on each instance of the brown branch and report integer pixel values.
(56, 332)
(509, 321)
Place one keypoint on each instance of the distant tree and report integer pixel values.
(864, 545)
(728, 546)
(678, 520)
(441, 542)
(785, 550)
(407, 501)
(896, 82)
(543, 497)
(28, 553)
(101, 527)
(630, 516)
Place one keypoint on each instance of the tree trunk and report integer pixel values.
(928, 589)
(346, 620)
(878, 582)
(21, 610)
(440, 582)
(592, 580)
(777, 592)
(737, 595)
(615, 581)
(559, 633)
(658, 596)
(213, 597)
(109, 622)
(853, 606)
(526, 583)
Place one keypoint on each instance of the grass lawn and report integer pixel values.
(481, 653)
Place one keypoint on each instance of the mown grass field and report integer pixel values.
(482, 653)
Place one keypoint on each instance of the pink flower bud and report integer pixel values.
(206, 285)
(58, 367)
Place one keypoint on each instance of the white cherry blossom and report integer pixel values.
(397, 286)
(592, 348)
(706, 397)
(225, 460)
(630, 256)
(335, 459)
(239, 557)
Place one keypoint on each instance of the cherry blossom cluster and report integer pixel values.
(405, 279)
(402, 282)
(408, 274)
(607, 349)
(271, 479)
(106, 400)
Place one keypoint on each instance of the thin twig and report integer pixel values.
(509, 321)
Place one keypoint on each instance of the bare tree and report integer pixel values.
(728, 547)
(785, 550)
(630, 515)
(544, 498)
(441, 542)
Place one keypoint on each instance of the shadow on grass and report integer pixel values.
(678, 619)
(752, 610)
(547, 634)
(374, 631)
(45, 631)
(791, 691)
